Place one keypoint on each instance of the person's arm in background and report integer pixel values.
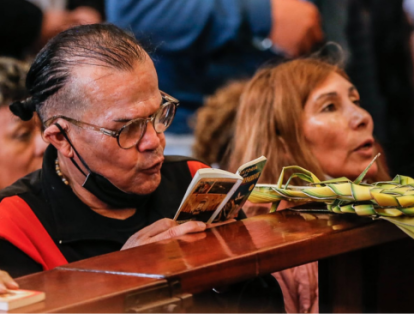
(178, 25)
(296, 26)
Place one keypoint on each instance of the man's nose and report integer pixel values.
(150, 140)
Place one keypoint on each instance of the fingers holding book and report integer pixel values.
(6, 282)
(161, 230)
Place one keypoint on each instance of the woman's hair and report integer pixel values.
(269, 118)
(214, 125)
(12, 80)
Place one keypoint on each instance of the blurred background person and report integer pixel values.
(307, 113)
(97, 5)
(21, 143)
(200, 45)
(25, 28)
(214, 125)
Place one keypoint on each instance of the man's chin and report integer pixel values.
(147, 186)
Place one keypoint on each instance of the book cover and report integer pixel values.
(250, 172)
(211, 190)
(13, 299)
(204, 199)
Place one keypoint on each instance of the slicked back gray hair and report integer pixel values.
(48, 80)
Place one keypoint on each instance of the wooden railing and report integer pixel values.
(363, 266)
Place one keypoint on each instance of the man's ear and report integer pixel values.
(55, 137)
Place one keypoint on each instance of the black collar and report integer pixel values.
(75, 220)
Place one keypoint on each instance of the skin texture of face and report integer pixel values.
(22, 147)
(338, 130)
(116, 97)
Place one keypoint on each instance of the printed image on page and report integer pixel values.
(204, 199)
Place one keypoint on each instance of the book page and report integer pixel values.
(204, 199)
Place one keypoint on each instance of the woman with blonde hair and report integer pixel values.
(304, 112)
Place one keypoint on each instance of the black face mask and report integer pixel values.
(103, 189)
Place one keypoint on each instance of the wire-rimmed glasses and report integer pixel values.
(131, 133)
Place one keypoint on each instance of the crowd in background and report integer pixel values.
(199, 46)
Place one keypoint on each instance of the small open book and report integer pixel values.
(13, 299)
(216, 195)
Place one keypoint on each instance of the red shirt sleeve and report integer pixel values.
(20, 226)
(193, 166)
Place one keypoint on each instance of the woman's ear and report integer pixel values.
(55, 137)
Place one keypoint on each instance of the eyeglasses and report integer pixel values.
(131, 133)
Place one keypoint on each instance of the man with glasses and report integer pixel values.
(105, 184)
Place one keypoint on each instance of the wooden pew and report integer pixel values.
(130, 280)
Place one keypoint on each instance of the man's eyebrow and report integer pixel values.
(127, 119)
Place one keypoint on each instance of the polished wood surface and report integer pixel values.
(244, 249)
(75, 291)
(220, 256)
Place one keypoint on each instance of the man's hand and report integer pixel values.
(6, 282)
(161, 230)
(296, 26)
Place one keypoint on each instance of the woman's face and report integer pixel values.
(338, 130)
(21, 147)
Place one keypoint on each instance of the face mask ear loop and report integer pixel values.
(76, 152)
